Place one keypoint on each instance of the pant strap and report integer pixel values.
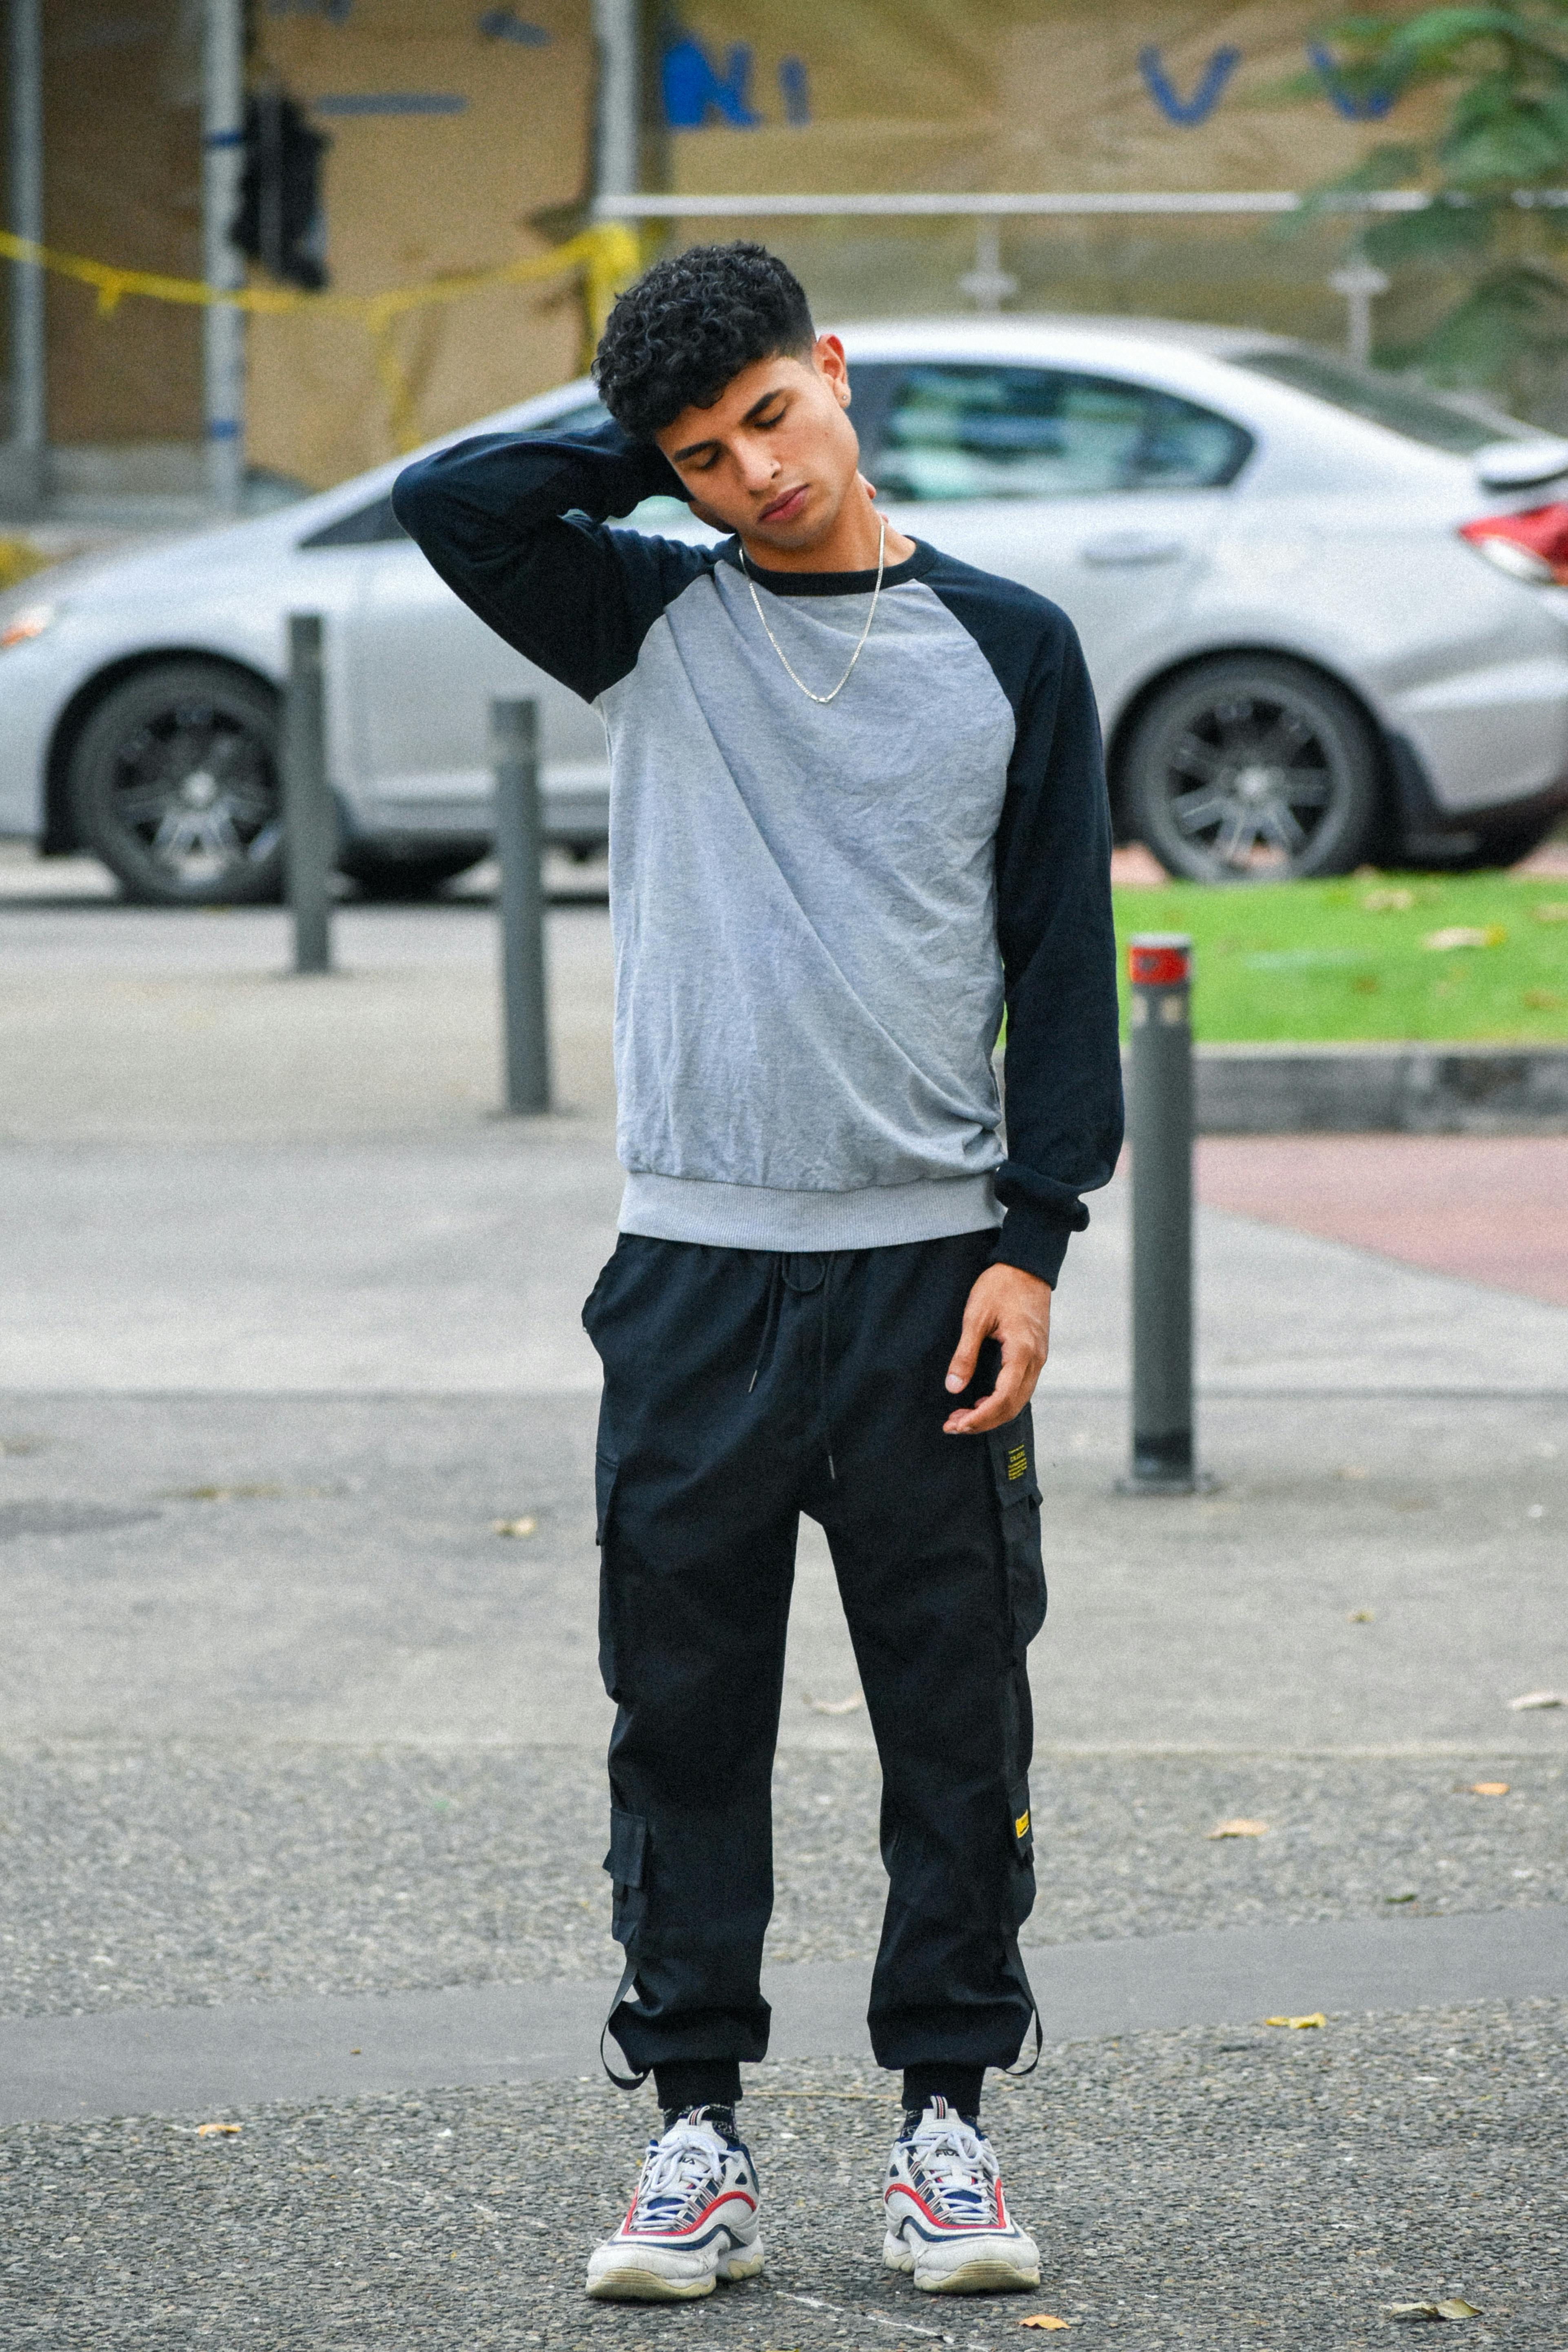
(626, 2082)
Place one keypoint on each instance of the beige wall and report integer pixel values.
(414, 196)
(123, 183)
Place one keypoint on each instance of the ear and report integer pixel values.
(827, 358)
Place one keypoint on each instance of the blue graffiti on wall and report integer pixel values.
(1356, 106)
(1204, 97)
(796, 92)
(693, 87)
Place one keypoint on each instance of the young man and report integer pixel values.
(856, 806)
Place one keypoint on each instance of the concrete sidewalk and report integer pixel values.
(288, 1320)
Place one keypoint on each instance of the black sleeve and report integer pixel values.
(515, 526)
(1063, 1064)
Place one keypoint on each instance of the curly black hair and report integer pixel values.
(690, 324)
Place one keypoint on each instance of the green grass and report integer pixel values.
(1346, 961)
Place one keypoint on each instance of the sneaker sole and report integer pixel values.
(985, 2275)
(627, 2284)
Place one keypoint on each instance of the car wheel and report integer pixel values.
(175, 785)
(380, 876)
(1253, 768)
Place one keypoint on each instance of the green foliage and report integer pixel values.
(1503, 141)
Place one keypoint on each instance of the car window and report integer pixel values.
(375, 523)
(1407, 408)
(993, 432)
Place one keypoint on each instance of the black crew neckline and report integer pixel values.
(829, 584)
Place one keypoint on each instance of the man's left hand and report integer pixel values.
(1015, 1307)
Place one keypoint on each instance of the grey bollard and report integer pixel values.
(1159, 966)
(519, 846)
(310, 820)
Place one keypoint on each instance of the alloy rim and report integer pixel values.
(195, 786)
(1250, 783)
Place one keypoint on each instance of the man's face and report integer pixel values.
(775, 455)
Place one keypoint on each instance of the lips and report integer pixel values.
(785, 509)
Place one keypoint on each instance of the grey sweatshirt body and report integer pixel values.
(819, 909)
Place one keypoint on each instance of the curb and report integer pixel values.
(1363, 1090)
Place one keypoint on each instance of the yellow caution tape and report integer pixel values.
(607, 254)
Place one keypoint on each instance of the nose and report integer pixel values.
(758, 465)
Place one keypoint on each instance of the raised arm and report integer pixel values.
(515, 524)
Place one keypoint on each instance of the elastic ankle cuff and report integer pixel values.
(960, 2085)
(696, 2083)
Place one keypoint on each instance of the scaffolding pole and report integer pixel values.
(222, 161)
(618, 109)
(24, 458)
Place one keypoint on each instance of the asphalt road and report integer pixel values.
(289, 1322)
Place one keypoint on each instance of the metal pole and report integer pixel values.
(617, 112)
(25, 473)
(519, 846)
(1360, 284)
(1161, 1132)
(223, 162)
(309, 821)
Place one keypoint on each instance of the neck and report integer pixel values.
(850, 545)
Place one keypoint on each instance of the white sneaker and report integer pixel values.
(948, 2223)
(693, 2220)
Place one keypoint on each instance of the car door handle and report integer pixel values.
(1132, 546)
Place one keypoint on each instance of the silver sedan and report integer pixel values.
(1326, 612)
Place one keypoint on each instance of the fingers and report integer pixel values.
(1015, 1387)
(978, 1320)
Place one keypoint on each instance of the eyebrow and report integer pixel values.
(694, 448)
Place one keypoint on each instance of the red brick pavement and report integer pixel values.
(1491, 1209)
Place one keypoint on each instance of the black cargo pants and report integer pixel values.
(741, 1387)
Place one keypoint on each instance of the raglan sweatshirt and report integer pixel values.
(819, 910)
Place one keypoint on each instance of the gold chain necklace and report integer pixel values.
(881, 555)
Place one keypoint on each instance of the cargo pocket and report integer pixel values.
(606, 1469)
(626, 1863)
(1019, 1496)
(1021, 1827)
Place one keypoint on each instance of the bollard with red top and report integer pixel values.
(1160, 1130)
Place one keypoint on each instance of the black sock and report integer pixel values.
(696, 2082)
(959, 2085)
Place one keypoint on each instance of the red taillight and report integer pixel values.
(1530, 546)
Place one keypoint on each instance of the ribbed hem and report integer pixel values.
(753, 1216)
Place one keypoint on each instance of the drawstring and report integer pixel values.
(824, 1413)
(778, 1283)
(770, 1319)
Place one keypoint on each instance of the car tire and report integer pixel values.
(1253, 768)
(381, 876)
(175, 785)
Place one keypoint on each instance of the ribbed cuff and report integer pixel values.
(1034, 1241)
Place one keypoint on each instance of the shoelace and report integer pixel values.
(958, 2168)
(674, 2170)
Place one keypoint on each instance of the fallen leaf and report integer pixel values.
(1044, 2319)
(1409, 1895)
(1465, 935)
(1487, 1788)
(1239, 1828)
(1299, 2025)
(516, 1526)
(1537, 1699)
(1389, 902)
(1362, 1617)
(211, 2131)
(1452, 2307)
(835, 1706)
(1550, 910)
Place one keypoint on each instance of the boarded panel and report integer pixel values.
(123, 183)
(414, 195)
